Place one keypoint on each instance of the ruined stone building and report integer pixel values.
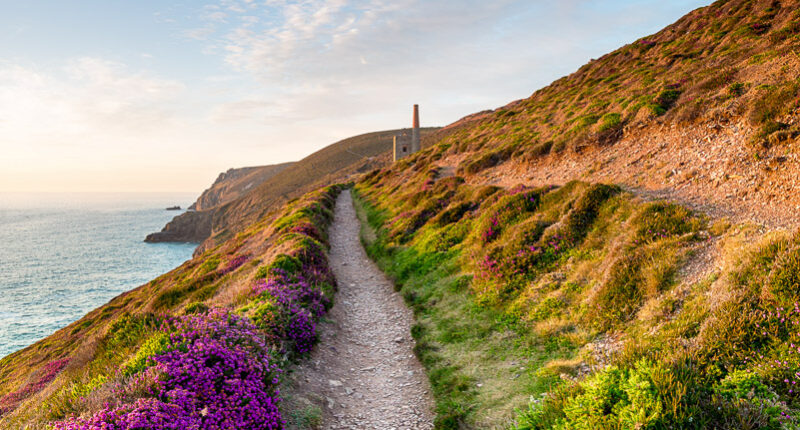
(405, 145)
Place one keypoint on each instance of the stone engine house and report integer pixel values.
(405, 145)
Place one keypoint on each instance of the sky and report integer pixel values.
(155, 95)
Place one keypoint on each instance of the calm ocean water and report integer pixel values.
(62, 255)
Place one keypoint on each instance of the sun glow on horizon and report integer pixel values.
(155, 96)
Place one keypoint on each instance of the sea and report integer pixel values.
(62, 255)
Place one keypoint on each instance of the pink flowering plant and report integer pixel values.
(777, 360)
(214, 368)
(45, 375)
(215, 374)
(234, 264)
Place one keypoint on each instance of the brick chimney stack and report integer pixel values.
(415, 142)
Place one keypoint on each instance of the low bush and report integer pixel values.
(215, 361)
(487, 160)
(647, 395)
(610, 122)
(212, 368)
(505, 212)
(664, 101)
(772, 104)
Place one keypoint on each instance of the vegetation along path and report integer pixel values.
(363, 372)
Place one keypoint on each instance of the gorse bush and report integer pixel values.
(155, 345)
(628, 398)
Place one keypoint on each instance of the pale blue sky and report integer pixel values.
(161, 96)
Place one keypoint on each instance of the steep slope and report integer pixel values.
(704, 111)
(554, 303)
(195, 224)
(332, 164)
(179, 351)
(233, 184)
(586, 305)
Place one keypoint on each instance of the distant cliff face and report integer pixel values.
(196, 224)
(191, 226)
(235, 183)
(241, 196)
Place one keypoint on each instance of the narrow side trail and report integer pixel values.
(363, 372)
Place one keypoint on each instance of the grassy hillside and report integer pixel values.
(332, 164)
(572, 306)
(733, 59)
(234, 183)
(274, 186)
(81, 367)
(583, 305)
(183, 348)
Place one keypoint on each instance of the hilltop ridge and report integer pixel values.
(250, 193)
(234, 182)
(704, 111)
(616, 250)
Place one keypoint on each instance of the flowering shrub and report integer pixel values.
(300, 293)
(308, 229)
(146, 413)
(287, 308)
(46, 374)
(215, 374)
(777, 363)
(408, 222)
(507, 210)
(234, 264)
(524, 257)
(211, 368)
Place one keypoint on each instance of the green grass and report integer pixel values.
(512, 288)
(307, 418)
(473, 355)
(513, 291)
(486, 354)
(109, 349)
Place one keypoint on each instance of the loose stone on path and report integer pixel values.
(363, 373)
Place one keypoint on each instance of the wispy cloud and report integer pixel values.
(356, 58)
(88, 96)
(237, 82)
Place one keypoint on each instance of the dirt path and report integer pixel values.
(363, 373)
(709, 167)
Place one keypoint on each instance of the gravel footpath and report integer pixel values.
(363, 373)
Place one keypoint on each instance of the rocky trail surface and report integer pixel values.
(363, 373)
(709, 167)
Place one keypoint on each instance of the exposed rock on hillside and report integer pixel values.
(191, 226)
(240, 203)
(195, 225)
(234, 183)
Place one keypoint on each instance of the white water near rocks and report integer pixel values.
(62, 255)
